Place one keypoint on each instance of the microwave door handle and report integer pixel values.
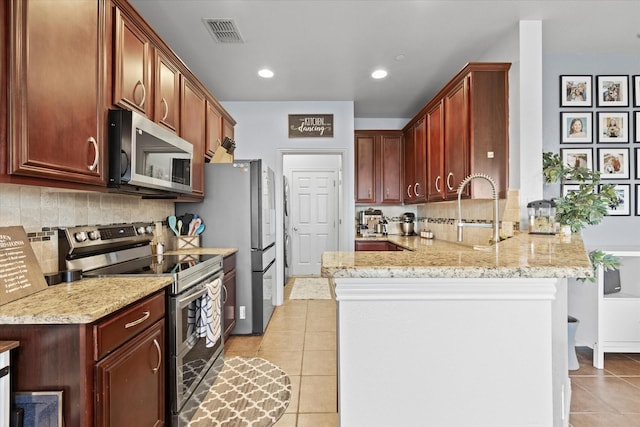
(126, 163)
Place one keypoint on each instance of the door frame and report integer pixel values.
(343, 225)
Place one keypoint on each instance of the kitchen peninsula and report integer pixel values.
(444, 334)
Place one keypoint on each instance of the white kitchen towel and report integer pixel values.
(204, 315)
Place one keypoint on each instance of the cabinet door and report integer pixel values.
(56, 115)
(132, 66)
(420, 137)
(229, 288)
(214, 129)
(435, 153)
(228, 129)
(456, 139)
(409, 166)
(167, 93)
(365, 169)
(130, 382)
(391, 160)
(192, 128)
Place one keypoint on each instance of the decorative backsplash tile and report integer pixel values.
(41, 210)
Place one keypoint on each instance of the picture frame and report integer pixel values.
(613, 127)
(637, 200)
(574, 157)
(637, 124)
(624, 201)
(576, 128)
(568, 188)
(637, 164)
(41, 408)
(576, 91)
(613, 91)
(636, 92)
(613, 163)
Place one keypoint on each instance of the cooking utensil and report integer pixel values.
(200, 229)
(193, 226)
(172, 221)
(179, 228)
(186, 221)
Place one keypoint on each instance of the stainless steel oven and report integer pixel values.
(194, 302)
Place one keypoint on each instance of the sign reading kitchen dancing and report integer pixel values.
(310, 126)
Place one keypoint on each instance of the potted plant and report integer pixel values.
(585, 206)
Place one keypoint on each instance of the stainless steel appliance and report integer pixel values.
(194, 361)
(407, 224)
(369, 220)
(145, 158)
(239, 211)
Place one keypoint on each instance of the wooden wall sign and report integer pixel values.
(20, 273)
(310, 125)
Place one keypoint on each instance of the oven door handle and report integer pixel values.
(187, 299)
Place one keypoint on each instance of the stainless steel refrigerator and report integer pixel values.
(239, 211)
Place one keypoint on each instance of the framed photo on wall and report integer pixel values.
(577, 127)
(577, 157)
(637, 164)
(623, 192)
(613, 163)
(613, 91)
(637, 200)
(636, 91)
(637, 122)
(613, 127)
(575, 91)
(569, 188)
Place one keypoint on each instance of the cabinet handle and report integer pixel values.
(145, 316)
(448, 183)
(369, 193)
(409, 191)
(144, 93)
(387, 192)
(159, 350)
(415, 189)
(96, 156)
(438, 183)
(166, 109)
(224, 292)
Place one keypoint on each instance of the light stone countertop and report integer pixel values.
(524, 255)
(89, 299)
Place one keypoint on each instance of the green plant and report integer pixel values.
(585, 206)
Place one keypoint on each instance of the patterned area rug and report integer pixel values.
(310, 288)
(249, 392)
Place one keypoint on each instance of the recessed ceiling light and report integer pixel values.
(265, 73)
(379, 74)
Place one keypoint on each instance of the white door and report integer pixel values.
(313, 219)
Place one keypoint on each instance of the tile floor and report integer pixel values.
(301, 339)
(605, 397)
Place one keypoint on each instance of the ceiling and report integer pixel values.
(325, 50)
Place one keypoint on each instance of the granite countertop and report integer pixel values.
(89, 299)
(524, 255)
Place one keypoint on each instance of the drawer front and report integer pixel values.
(122, 326)
(620, 320)
(229, 263)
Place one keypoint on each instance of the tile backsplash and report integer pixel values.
(41, 210)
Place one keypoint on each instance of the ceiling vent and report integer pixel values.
(224, 30)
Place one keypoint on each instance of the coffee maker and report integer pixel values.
(371, 222)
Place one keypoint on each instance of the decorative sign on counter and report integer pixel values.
(310, 125)
(20, 273)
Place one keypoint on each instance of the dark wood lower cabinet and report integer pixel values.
(105, 370)
(377, 246)
(130, 382)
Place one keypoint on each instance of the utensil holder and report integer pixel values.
(188, 242)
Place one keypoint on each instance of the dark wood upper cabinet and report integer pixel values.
(378, 176)
(456, 139)
(192, 129)
(132, 66)
(166, 93)
(415, 162)
(56, 127)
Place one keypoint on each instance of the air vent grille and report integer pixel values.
(224, 30)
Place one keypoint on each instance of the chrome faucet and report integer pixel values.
(496, 224)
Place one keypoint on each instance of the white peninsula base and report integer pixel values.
(452, 352)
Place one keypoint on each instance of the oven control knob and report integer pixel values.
(140, 230)
(149, 229)
(94, 235)
(80, 236)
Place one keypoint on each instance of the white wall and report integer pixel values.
(262, 133)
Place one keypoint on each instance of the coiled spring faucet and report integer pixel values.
(496, 223)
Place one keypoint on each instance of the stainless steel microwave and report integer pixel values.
(145, 158)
